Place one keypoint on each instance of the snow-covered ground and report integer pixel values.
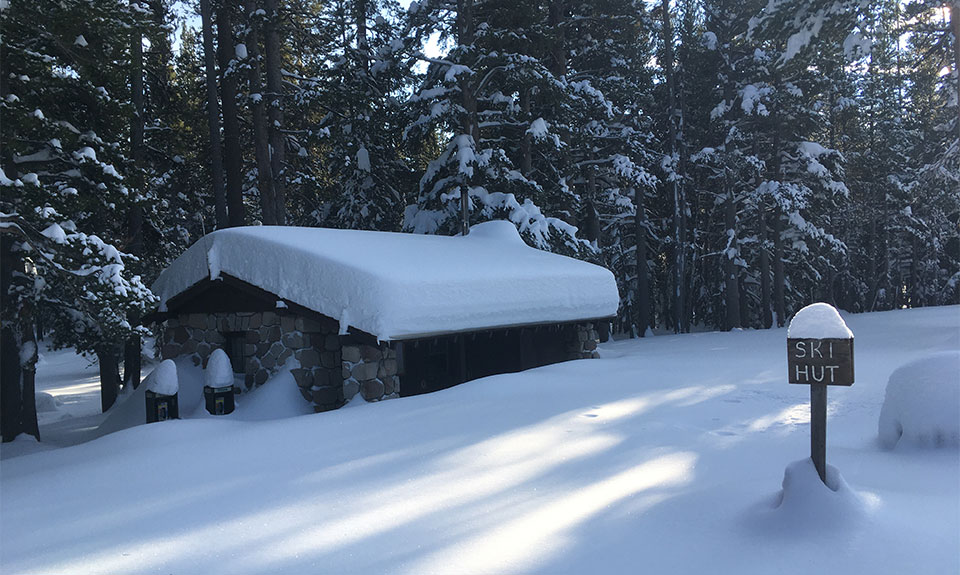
(667, 455)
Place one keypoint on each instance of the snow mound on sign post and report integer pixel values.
(219, 372)
(920, 406)
(163, 379)
(818, 321)
(805, 505)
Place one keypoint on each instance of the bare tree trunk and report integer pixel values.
(955, 27)
(131, 350)
(779, 281)
(261, 144)
(232, 155)
(278, 151)
(558, 53)
(109, 376)
(766, 317)
(643, 281)
(679, 275)
(468, 124)
(18, 354)
(730, 271)
(213, 116)
(360, 15)
(526, 142)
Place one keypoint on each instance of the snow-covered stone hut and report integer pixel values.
(379, 314)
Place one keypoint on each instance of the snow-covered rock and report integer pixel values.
(218, 373)
(818, 321)
(922, 403)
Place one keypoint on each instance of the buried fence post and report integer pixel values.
(819, 353)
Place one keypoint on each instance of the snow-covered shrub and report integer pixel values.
(46, 402)
(922, 403)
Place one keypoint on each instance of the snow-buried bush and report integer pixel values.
(47, 402)
(922, 403)
(219, 373)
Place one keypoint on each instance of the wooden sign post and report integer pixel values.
(819, 353)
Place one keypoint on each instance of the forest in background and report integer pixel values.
(729, 161)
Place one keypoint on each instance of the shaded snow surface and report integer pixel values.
(397, 285)
(665, 456)
(922, 403)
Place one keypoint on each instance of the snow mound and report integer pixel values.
(499, 230)
(163, 379)
(278, 398)
(131, 409)
(46, 403)
(219, 372)
(805, 505)
(922, 403)
(401, 285)
(818, 321)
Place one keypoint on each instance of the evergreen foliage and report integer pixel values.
(729, 161)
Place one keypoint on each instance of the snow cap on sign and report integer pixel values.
(163, 379)
(402, 285)
(818, 321)
(218, 373)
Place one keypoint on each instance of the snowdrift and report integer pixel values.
(922, 403)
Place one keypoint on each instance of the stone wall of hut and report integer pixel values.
(270, 339)
(582, 341)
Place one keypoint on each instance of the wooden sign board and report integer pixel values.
(826, 361)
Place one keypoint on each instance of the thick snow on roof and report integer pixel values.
(397, 285)
(818, 321)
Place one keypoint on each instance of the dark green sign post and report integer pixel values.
(819, 362)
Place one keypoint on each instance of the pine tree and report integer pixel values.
(66, 169)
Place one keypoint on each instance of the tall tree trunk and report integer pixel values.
(468, 123)
(131, 348)
(779, 281)
(213, 116)
(766, 316)
(730, 270)
(271, 44)
(591, 218)
(18, 353)
(109, 376)
(556, 17)
(643, 281)
(232, 155)
(360, 16)
(526, 141)
(28, 371)
(261, 143)
(955, 27)
(913, 287)
(679, 275)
